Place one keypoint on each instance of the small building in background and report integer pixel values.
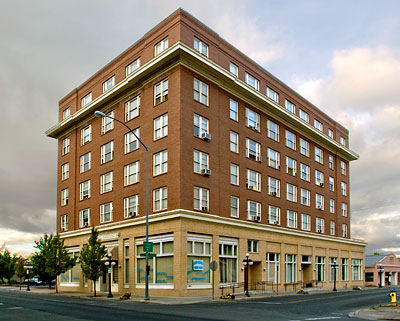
(389, 265)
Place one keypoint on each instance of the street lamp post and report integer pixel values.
(335, 267)
(28, 273)
(380, 270)
(101, 114)
(109, 263)
(247, 262)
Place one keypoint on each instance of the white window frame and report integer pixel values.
(318, 125)
(331, 205)
(304, 115)
(106, 182)
(200, 161)
(306, 222)
(160, 199)
(274, 215)
(132, 66)
(64, 222)
(305, 172)
(319, 155)
(252, 81)
(234, 208)
(201, 199)
(200, 125)
(342, 141)
(291, 193)
(108, 84)
(319, 178)
(332, 229)
(290, 139)
(291, 170)
(274, 161)
(343, 188)
(131, 139)
(83, 163)
(200, 46)
(233, 110)
(319, 225)
(319, 201)
(161, 126)
(132, 108)
(344, 209)
(105, 153)
(84, 190)
(107, 123)
(160, 46)
(253, 209)
(161, 92)
(160, 162)
(234, 144)
(273, 265)
(343, 168)
(330, 161)
(290, 106)
(65, 146)
(305, 195)
(86, 135)
(251, 153)
(234, 174)
(330, 133)
(234, 69)
(356, 270)
(272, 94)
(290, 268)
(273, 130)
(291, 217)
(274, 186)
(304, 147)
(200, 91)
(131, 206)
(66, 113)
(132, 173)
(65, 171)
(64, 196)
(103, 213)
(252, 119)
(82, 219)
(331, 184)
(253, 180)
(86, 99)
(344, 230)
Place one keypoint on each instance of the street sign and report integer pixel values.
(148, 247)
(150, 254)
(213, 266)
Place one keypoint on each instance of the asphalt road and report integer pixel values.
(15, 305)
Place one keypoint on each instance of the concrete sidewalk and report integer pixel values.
(378, 313)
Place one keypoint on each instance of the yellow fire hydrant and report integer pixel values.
(393, 297)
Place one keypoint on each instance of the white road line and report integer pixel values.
(270, 302)
(323, 318)
(1, 303)
(15, 308)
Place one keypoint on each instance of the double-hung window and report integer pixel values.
(319, 201)
(106, 182)
(108, 84)
(200, 91)
(305, 197)
(273, 158)
(107, 123)
(344, 230)
(161, 91)
(273, 130)
(343, 188)
(65, 146)
(291, 166)
(343, 167)
(291, 219)
(253, 149)
(234, 69)
(84, 190)
(274, 215)
(161, 126)
(290, 140)
(291, 192)
(253, 210)
(106, 212)
(272, 94)
(132, 173)
(342, 141)
(290, 106)
(200, 126)
(330, 133)
(64, 196)
(160, 46)
(252, 119)
(107, 152)
(234, 110)
(132, 66)
(234, 206)
(234, 174)
(318, 125)
(320, 225)
(131, 142)
(86, 135)
(303, 115)
(344, 209)
(200, 161)
(64, 171)
(84, 217)
(330, 161)
(305, 222)
(201, 199)
(132, 108)
(85, 161)
(332, 228)
(64, 222)
(160, 199)
(304, 147)
(131, 206)
(201, 47)
(86, 100)
(160, 162)
(319, 178)
(251, 81)
(319, 155)
(332, 205)
(274, 186)
(304, 172)
(66, 113)
(253, 180)
(331, 184)
(234, 142)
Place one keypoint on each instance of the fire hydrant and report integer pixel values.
(393, 297)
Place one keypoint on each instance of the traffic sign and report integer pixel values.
(148, 247)
(213, 266)
(150, 254)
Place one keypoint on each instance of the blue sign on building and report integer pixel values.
(198, 265)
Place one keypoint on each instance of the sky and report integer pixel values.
(343, 56)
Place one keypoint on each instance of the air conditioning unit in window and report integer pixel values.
(206, 136)
(253, 156)
(274, 193)
(204, 208)
(276, 222)
(85, 196)
(319, 208)
(258, 158)
(256, 218)
(206, 172)
(131, 214)
(321, 184)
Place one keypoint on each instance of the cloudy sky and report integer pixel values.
(344, 56)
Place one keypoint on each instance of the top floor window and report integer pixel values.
(200, 91)
(132, 66)
(108, 84)
(272, 94)
(251, 81)
(66, 113)
(330, 133)
(201, 47)
(161, 92)
(87, 99)
(252, 119)
(234, 69)
(303, 115)
(318, 125)
(342, 141)
(290, 106)
(160, 46)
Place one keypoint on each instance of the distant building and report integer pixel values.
(391, 270)
(240, 163)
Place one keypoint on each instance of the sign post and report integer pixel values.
(213, 267)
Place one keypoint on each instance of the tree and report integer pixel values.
(20, 270)
(91, 258)
(7, 265)
(2, 266)
(38, 260)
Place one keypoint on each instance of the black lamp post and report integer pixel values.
(109, 263)
(335, 267)
(380, 270)
(28, 266)
(247, 262)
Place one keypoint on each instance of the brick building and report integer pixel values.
(239, 163)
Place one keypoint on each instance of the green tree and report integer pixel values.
(7, 265)
(91, 258)
(38, 260)
(20, 271)
(2, 266)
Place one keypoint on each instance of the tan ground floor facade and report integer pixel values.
(185, 243)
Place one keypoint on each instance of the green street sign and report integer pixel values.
(148, 247)
(150, 254)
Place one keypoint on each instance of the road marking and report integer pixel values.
(318, 298)
(270, 302)
(1, 303)
(15, 308)
(323, 318)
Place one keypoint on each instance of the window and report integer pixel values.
(86, 135)
(126, 263)
(252, 119)
(234, 69)
(253, 211)
(320, 225)
(274, 187)
(86, 100)
(305, 197)
(106, 212)
(305, 222)
(290, 140)
(332, 228)
(319, 201)
(200, 126)
(131, 142)
(331, 184)
(290, 106)
(131, 206)
(343, 167)
(319, 155)
(291, 219)
(290, 268)
(106, 182)
(332, 206)
(251, 81)
(318, 125)
(272, 94)
(84, 190)
(160, 46)
(107, 152)
(273, 158)
(234, 206)
(234, 110)
(84, 217)
(304, 172)
(273, 264)
(320, 268)
(252, 246)
(132, 108)
(64, 171)
(234, 174)
(64, 222)
(160, 162)
(85, 161)
(161, 126)
(344, 209)
(234, 142)
(344, 230)
(345, 269)
(291, 192)
(343, 188)
(199, 251)
(253, 149)
(330, 161)
(330, 133)
(108, 84)
(274, 215)
(273, 130)
(201, 47)
(132, 173)
(201, 199)
(356, 269)
(291, 166)
(161, 92)
(253, 180)
(160, 199)
(303, 115)
(64, 197)
(66, 113)
(107, 123)
(342, 141)
(65, 146)
(304, 147)
(200, 92)
(228, 260)
(319, 178)
(132, 66)
(200, 161)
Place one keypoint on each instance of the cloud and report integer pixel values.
(362, 92)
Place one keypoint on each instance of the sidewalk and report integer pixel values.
(378, 313)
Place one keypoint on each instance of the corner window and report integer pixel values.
(199, 258)
(200, 92)
(161, 126)
(343, 168)
(344, 188)
(161, 92)
(344, 230)
(344, 209)
(159, 47)
(201, 47)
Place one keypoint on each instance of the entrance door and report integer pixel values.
(114, 278)
(307, 275)
(255, 275)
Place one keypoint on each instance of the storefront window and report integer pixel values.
(198, 262)
(320, 267)
(228, 260)
(273, 267)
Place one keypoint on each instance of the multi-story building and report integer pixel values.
(239, 163)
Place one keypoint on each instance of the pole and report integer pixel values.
(146, 295)
(334, 277)
(213, 284)
(28, 288)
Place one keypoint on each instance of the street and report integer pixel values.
(16, 305)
